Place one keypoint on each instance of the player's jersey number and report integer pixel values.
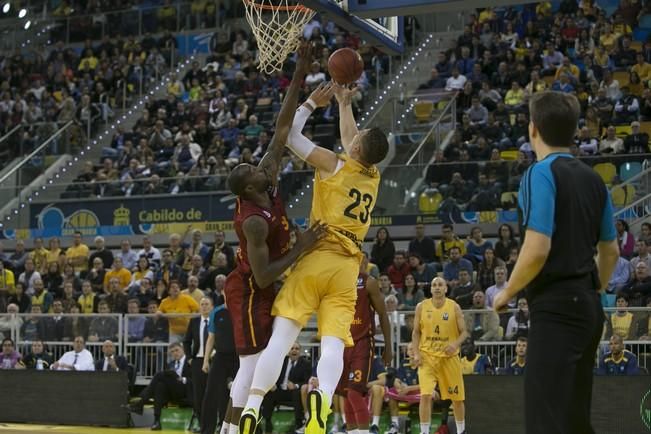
(359, 199)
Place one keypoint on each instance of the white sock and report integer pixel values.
(330, 366)
(343, 418)
(225, 428)
(424, 428)
(242, 383)
(376, 421)
(307, 415)
(395, 420)
(461, 426)
(233, 429)
(285, 332)
(337, 419)
(362, 431)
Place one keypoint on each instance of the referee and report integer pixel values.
(567, 219)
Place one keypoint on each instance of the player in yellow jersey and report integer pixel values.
(324, 280)
(439, 331)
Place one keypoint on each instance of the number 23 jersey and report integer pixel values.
(345, 201)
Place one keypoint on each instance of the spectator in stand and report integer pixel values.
(411, 294)
(455, 264)
(473, 363)
(197, 247)
(486, 269)
(618, 361)
(88, 299)
(77, 254)
(156, 327)
(625, 239)
(423, 245)
(150, 252)
(103, 328)
(456, 81)
(477, 112)
(110, 361)
(506, 241)
(19, 298)
(645, 232)
(38, 358)
(423, 273)
(116, 296)
(463, 289)
(10, 321)
(100, 252)
(514, 98)
(142, 271)
(169, 270)
(518, 364)
(136, 322)
(477, 245)
(29, 276)
(193, 289)
(79, 359)
(42, 297)
(119, 272)
(383, 249)
(435, 81)
(7, 283)
(586, 143)
(399, 269)
(18, 258)
(128, 256)
(621, 276)
(220, 246)
(484, 325)
(518, 325)
(621, 321)
(627, 108)
(637, 142)
(448, 241)
(9, 357)
(179, 304)
(642, 253)
(611, 143)
(55, 254)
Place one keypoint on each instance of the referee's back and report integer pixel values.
(566, 200)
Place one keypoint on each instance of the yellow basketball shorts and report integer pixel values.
(324, 282)
(446, 371)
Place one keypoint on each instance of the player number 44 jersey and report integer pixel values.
(345, 202)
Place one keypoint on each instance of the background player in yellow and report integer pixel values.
(439, 331)
(324, 280)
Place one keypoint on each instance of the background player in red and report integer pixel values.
(264, 253)
(358, 358)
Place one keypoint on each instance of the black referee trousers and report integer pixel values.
(223, 368)
(566, 326)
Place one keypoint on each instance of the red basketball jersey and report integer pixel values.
(278, 237)
(363, 324)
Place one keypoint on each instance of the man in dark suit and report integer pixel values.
(171, 385)
(195, 344)
(287, 390)
(111, 362)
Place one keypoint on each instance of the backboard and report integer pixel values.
(382, 32)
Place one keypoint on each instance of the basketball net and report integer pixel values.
(277, 26)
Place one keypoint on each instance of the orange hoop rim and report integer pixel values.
(288, 8)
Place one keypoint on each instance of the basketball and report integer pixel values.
(345, 66)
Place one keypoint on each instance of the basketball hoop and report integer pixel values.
(277, 26)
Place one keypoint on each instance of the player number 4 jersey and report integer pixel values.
(438, 327)
(345, 202)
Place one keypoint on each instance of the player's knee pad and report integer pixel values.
(358, 406)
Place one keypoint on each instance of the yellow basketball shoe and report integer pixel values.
(318, 409)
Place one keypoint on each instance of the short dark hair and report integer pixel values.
(455, 248)
(556, 116)
(374, 147)
(237, 180)
(447, 226)
(522, 339)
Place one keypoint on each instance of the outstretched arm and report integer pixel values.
(271, 160)
(265, 271)
(347, 124)
(323, 159)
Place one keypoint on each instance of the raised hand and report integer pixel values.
(344, 94)
(323, 94)
(304, 61)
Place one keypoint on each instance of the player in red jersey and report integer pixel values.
(264, 254)
(358, 358)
